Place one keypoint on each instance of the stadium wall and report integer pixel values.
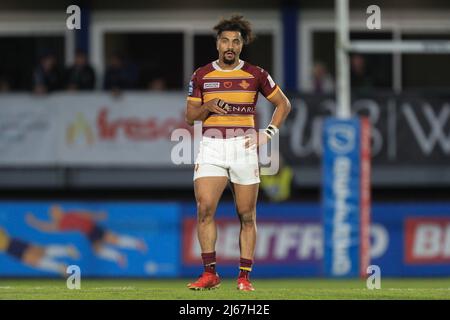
(126, 142)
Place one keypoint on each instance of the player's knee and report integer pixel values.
(246, 210)
(205, 211)
(247, 219)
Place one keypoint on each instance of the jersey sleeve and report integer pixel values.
(194, 93)
(267, 86)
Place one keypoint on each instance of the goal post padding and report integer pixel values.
(346, 196)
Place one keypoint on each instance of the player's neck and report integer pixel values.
(225, 66)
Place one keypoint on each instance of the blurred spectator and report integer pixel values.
(120, 74)
(157, 84)
(4, 84)
(277, 187)
(81, 75)
(47, 76)
(322, 80)
(153, 78)
(360, 77)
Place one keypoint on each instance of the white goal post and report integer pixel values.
(344, 46)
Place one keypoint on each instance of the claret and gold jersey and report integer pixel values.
(238, 87)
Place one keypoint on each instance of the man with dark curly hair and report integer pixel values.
(223, 95)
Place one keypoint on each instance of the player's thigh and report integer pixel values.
(245, 169)
(245, 197)
(208, 191)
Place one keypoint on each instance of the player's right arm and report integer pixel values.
(196, 111)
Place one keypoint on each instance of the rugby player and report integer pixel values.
(37, 256)
(223, 95)
(86, 223)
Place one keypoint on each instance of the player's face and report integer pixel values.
(229, 45)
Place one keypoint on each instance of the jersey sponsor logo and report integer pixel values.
(242, 109)
(244, 84)
(427, 240)
(271, 82)
(211, 85)
(227, 84)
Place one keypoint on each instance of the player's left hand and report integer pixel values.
(255, 140)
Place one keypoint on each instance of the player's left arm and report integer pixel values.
(282, 109)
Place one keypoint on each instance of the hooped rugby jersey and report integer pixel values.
(238, 87)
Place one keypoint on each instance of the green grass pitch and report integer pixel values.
(273, 289)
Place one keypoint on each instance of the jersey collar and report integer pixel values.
(217, 67)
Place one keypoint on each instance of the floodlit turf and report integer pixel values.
(284, 289)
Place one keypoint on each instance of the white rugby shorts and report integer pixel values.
(227, 158)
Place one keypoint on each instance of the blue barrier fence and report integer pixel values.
(125, 229)
(407, 239)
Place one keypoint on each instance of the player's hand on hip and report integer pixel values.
(217, 106)
(256, 139)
